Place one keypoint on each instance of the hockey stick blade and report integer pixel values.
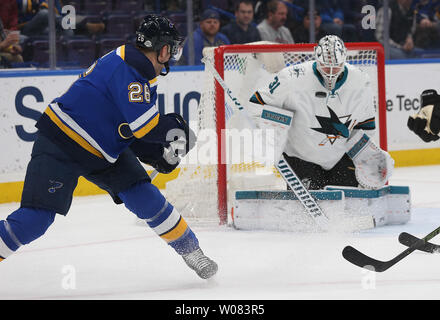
(408, 240)
(361, 260)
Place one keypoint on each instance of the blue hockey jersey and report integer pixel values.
(109, 105)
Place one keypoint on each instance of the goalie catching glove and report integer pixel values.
(426, 123)
(163, 148)
(374, 166)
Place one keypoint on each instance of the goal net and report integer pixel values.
(221, 162)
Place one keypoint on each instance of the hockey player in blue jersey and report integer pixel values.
(98, 129)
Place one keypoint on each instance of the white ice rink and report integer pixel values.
(99, 252)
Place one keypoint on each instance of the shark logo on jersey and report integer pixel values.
(332, 127)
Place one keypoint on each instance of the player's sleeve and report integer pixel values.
(136, 100)
(273, 93)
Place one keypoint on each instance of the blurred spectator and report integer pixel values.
(86, 27)
(206, 35)
(295, 14)
(272, 28)
(427, 34)
(9, 48)
(260, 10)
(9, 14)
(173, 5)
(402, 24)
(333, 22)
(302, 33)
(241, 30)
(353, 15)
(33, 17)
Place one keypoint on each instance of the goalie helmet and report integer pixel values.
(156, 31)
(330, 55)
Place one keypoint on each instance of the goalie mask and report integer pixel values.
(330, 55)
(155, 32)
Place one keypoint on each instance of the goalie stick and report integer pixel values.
(408, 240)
(308, 202)
(361, 260)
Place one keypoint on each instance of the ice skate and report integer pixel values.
(201, 264)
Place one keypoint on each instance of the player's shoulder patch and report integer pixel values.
(296, 71)
(300, 71)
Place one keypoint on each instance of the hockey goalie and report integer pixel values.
(329, 146)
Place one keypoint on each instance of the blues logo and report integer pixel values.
(55, 185)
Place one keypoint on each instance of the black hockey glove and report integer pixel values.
(169, 144)
(164, 164)
(426, 123)
(183, 137)
(155, 155)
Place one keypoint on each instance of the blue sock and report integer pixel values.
(22, 227)
(147, 202)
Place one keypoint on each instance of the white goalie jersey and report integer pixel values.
(323, 120)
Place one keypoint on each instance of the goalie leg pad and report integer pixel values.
(282, 211)
(389, 205)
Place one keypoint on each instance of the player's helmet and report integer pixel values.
(330, 55)
(156, 31)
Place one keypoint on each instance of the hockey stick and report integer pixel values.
(408, 240)
(361, 260)
(308, 202)
(153, 174)
(302, 193)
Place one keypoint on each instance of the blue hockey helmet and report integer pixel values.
(156, 31)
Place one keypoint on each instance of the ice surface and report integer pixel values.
(99, 251)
